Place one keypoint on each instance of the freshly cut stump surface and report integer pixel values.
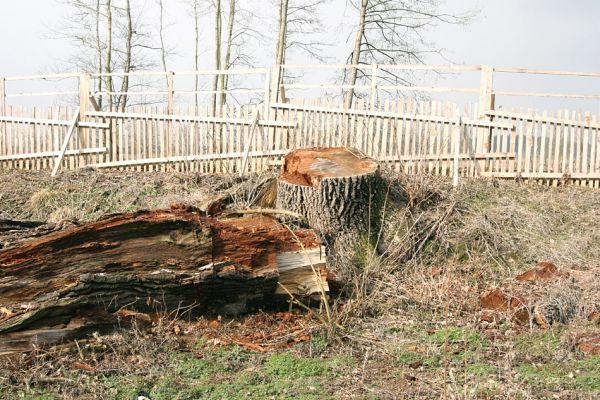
(336, 190)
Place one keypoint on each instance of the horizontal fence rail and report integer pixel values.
(411, 136)
(407, 135)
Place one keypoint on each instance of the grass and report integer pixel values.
(418, 359)
(207, 372)
(540, 344)
(481, 370)
(395, 332)
(581, 375)
(456, 335)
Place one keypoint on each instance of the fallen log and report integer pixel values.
(69, 283)
(13, 233)
(338, 191)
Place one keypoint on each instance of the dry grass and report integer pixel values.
(411, 323)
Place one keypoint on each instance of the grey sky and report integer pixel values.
(549, 34)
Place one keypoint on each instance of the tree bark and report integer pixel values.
(128, 55)
(108, 66)
(216, 78)
(196, 53)
(356, 52)
(161, 34)
(68, 283)
(99, 52)
(227, 61)
(282, 32)
(338, 191)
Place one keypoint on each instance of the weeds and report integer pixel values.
(408, 325)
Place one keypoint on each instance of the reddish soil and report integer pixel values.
(543, 270)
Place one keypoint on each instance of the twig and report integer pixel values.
(268, 211)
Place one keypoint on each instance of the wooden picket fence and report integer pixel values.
(408, 135)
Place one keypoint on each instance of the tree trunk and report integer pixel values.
(282, 33)
(227, 61)
(99, 53)
(68, 283)
(337, 191)
(161, 33)
(281, 50)
(108, 66)
(128, 55)
(216, 78)
(196, 54)
(356, 52)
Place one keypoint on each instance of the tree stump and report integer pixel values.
(338, 191)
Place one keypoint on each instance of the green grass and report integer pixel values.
(481, 370)
(408, 358)
(580, 375)
(287, 365)
(540, 344)
(211, 373)
(457, 335)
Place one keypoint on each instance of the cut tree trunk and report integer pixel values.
(337, 191)
(69, 283)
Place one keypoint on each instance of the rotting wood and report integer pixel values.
(69, 283)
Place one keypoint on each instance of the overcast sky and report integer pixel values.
(549, 34)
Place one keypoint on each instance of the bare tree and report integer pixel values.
(235, 49)
(299, 26)
(298, 29)
(196, 14)
(109, 48)
(217, 4)
(83, 26)
(282, 32)
(127, 57)
(161, 34)
(229, 44)
(97, 16)
(110, 36)
(391, 31)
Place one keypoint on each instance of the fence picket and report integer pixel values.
(406, 134)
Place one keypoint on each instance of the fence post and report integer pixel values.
(2, 96)
(84, 102)
(275, 84)
(486, 104)
(2, 112)
(84, 94)
(273, 93)
(267, 95)
(486, 90)
(170, 92)
(373, 85)
(457, 134)
(170, 101)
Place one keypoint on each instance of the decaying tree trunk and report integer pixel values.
(68, 283)
(337, 190)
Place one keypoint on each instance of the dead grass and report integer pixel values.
(411, 324)
(88, 194)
